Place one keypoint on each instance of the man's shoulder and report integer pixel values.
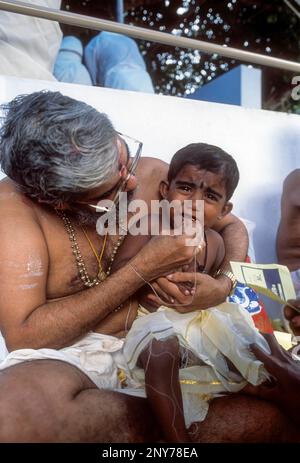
(151, 165)
(150, 173)
(293, 179)
(291, 190)
(21, 220)
(14, 202)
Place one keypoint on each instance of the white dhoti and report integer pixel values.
(212, 336)
(98, 356)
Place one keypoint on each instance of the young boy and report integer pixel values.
(192, 356)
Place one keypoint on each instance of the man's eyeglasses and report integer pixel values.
(134, 149)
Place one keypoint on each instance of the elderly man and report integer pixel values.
(61, 157)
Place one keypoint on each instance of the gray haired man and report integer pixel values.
(61, 157)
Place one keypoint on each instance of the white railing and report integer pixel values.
(88, 22)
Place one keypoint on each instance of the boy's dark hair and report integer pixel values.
(207, 157)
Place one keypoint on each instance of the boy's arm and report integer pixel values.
(236, 240)
(216, 251)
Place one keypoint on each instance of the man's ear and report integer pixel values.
(164, 188)
(226, 210)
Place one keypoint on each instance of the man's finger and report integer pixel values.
(289, 312)
(262, 391)
(272, 364)
(275, 347)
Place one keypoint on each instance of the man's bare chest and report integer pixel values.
(65, 266)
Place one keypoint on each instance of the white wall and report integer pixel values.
(265, 144)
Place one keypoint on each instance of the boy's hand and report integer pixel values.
(168, 293)
(204, 291)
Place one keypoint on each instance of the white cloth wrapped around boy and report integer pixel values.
(213, 336)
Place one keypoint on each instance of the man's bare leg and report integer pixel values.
(239, 418)
(51, 401)
(161, 365)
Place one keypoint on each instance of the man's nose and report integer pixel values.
(131, 183)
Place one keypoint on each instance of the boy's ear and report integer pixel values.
(164, 188)
(226, 210)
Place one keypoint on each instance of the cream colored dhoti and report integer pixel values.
(98, 356)
(212, 336)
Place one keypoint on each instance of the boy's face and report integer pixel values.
(192, 183)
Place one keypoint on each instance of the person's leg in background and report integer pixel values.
(68, 65)
(114, 61)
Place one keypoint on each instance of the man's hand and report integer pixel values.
(164, 253)
(293, 317)
(284, 390)
(204, 291)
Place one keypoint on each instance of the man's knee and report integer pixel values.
(50, 401)
(34, 398)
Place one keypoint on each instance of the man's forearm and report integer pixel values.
(58, 324)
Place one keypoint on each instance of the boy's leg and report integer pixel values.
(161, 365)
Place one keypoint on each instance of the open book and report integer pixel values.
(272, 280)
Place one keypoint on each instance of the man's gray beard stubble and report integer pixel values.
(89, 218)
(84, 217)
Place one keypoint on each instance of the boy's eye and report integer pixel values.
(211, 196)
(185, 188)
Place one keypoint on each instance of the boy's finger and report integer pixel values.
(154, 300)
(172, 289)
(162, 295)
(181, 277)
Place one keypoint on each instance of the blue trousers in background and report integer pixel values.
(109, 60)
